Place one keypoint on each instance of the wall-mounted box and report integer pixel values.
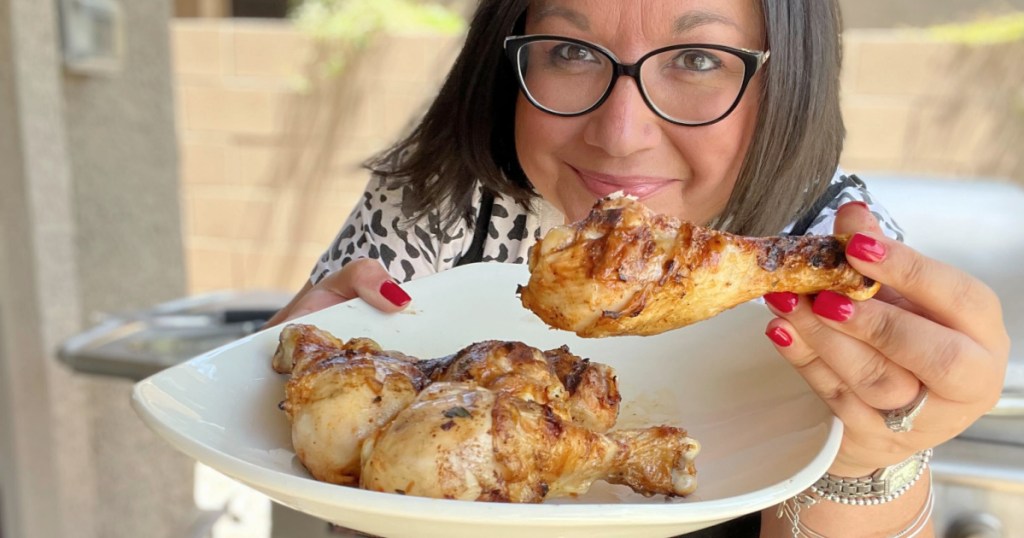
(92, 36)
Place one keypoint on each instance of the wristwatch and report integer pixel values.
(882, 486)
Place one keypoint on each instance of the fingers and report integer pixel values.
(947, 361)
(854, 217)
(946, 294)
(867, 443)
(922, 313)
(859, 368)
(858, 417)
(930, 325)
(822, 379)
(936, 290)
(363, 278)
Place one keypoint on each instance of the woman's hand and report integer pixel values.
(930, 326)
(363, 278)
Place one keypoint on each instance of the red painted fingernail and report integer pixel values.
(831, 305)
(856, 202)
(782, 301)
(865, 248)
(779, 336)
(392, 292)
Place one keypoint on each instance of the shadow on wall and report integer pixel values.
(988, 77)
(926, 102)
(313, 122)
(273, 134)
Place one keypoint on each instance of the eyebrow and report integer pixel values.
(684, 23)
(574, 17)
(694, 19)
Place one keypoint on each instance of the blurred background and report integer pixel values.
(199, 155)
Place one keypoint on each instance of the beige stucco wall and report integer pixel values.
(921, 13)
(917, 105)
(122, 147)
(90, 223)
(271, 146)
(270, 170)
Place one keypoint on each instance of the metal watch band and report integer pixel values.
(882, 486)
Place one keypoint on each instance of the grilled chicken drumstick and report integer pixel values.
(497, 421)
(577, 390)
(338, 395)
(461, 441)
(624, 270)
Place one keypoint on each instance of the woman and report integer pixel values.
(732, 121)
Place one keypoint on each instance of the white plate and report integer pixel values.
(765, 435)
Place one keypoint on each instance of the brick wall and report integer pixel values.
(916, 105)
(270, 147)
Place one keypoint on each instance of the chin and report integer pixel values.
(666, 208)
(574, 203)
(663, 205)
(578, 209)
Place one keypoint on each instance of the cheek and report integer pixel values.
(713, 156)
(537, 139)
(717, 151)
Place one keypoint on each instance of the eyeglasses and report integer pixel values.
(691, 84)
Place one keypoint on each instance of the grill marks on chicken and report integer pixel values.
(497, 447)
(624, 270)
(578, 390)
(497, 421)
(594, 398)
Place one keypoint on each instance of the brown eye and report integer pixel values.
(696, 60)
(571, 52)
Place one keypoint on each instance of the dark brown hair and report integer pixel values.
(467, 134)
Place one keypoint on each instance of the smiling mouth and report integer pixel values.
(602, 185)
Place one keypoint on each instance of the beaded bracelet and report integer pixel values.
(864, 491)
(792, 507)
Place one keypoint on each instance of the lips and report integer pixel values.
(602, 185)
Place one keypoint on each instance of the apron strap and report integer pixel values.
(805, 220)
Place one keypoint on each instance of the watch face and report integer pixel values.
(896, 476)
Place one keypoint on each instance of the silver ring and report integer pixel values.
(901, 420)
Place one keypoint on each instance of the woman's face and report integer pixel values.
(687, 172)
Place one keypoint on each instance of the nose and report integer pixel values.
(623, 124)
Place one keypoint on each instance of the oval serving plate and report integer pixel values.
(765, 436)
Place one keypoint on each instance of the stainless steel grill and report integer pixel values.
(977, 226)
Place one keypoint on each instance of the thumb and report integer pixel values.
(853, 217)
(363, 278)
(856, 217)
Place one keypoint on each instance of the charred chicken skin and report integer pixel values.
(497, 421)
(624, 270)
(462, 441)
(576, 389)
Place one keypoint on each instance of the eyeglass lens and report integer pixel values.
(688, 85)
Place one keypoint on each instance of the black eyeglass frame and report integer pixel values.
(753, 60)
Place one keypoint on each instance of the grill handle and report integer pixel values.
(1010, 405)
